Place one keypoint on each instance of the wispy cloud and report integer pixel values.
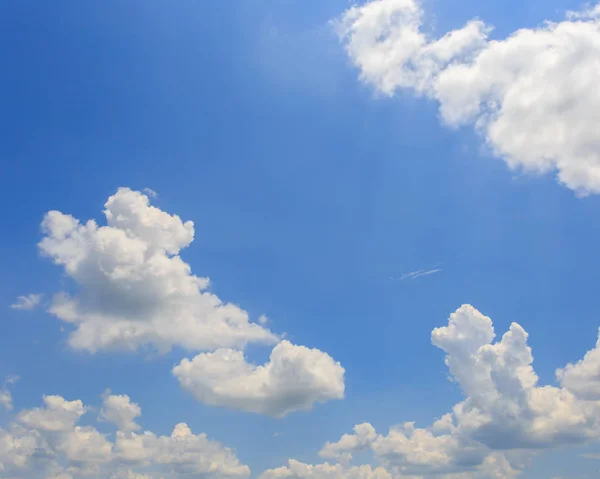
(590, 456)
(28, 302)
(6, 400)
(417, 274)
(150, 192)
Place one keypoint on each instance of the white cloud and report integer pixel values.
(6, 399)
(583, 378)
(420, 273)
(120, 411)
(48, 442)
(299, 470)
(295, 378)
(28, 302)
(57, 415)
(135, 290)
(363, 437)
(532, 96)
(505, 418)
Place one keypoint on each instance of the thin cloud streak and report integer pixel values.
(417, 274)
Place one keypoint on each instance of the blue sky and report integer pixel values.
(311, 191)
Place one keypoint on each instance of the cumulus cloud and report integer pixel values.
(583, 378)
(48, 442)
(120, 411)
(294, 378)
(505, 418)
(135, 290)
(299, 470)
(532, 96)
(28, 302)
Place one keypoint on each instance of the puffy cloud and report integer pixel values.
(120, 411)
(384, 40)
(505, 418)
(28, 302)
(182, 453)
(48, 442)
(583, 378)
(299, 470)
(295, 378)
(57, 415)
(135, 290)
(363, 437)
(532, 96)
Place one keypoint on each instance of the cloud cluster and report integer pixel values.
(48, 442)
(533, 96)
(134, 291)
(504, 419)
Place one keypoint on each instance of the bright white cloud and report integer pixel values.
(48, 442)
(533, 96)
(57, 415)
(120, 411)
(504, 419)
(134, 289)
(363, 437)
(583, 378)
(28, 302)
(295, 378)
(299, 470)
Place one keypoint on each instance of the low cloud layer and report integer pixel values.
(506, 416)
(48, 442)
(532, 96)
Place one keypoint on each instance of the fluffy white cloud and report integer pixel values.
(583, 378)
(295, 378)
(57, 415)
(48, 442)
(28, 302)
(299, 470)
(504, 419)
(120, 411)
(363, 437)
(533, 95)
(135, 290)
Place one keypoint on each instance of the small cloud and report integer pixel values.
(417, 274)
(590, 456)
(150, 192)
(276, 434)
(263, 320)
(6, 400)
(11, 380)
(28, 302)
